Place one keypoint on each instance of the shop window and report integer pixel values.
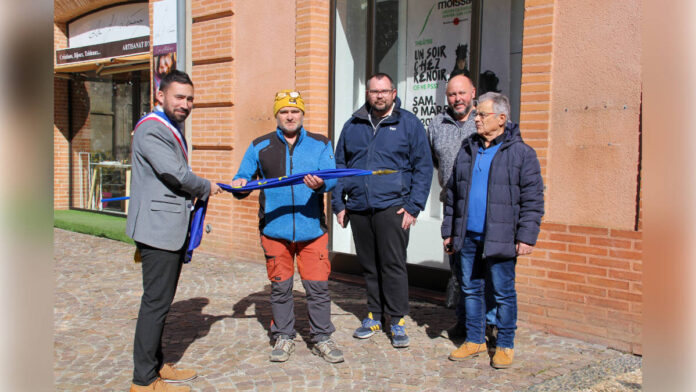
(350, 66)
(420, 44)
(104, 110)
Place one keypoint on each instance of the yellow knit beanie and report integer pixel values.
(288, 98)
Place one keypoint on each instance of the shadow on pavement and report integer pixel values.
(434, 317)
(261, 301)
(185, 323)
(262, 308)
(350, 298)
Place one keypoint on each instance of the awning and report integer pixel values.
(107, 66)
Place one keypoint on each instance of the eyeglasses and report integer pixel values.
(283, 94)
(379, 92)
(483, 114)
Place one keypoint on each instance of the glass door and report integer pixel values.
(350, 62)
(102, 142)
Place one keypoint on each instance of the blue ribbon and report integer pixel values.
(296, 179)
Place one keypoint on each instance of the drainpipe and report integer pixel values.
(182, 53)
(181, 35)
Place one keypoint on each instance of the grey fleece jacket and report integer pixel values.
(446, 137)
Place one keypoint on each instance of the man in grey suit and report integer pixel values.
(163, 189)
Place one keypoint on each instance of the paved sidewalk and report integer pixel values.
(219, 325)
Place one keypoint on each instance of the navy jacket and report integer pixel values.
(293, 213)
(515, 196)
(398, 143)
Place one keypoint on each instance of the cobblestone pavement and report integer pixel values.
(219, 321)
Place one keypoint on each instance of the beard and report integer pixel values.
(462, 112)
(380, 105)
(178, 116)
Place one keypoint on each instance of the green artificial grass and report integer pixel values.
(100, 225)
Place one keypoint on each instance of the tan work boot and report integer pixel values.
(159, 386)
(467, 350)
(502, 358)
(169, 373)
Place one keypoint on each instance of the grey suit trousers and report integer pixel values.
(161, 270)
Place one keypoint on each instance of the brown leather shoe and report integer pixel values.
(502, 358)
(467, 350)
(169, 373)
(159, 386)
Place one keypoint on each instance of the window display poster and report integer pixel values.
(163, 41)
(437, 48)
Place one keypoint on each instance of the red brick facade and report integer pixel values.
(583, 282)
(60, 145)
(60, 129)
(312, 65)
(212, 121)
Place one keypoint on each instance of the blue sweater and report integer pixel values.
(293, 213)
(478, 195)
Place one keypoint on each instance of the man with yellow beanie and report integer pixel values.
(293, 224)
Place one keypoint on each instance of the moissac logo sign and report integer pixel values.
(443, 5)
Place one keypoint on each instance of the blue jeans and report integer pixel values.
(461, 307)
(500, 275)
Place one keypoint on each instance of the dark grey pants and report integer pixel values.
(318, 308)
(161, 270)
(380, 244)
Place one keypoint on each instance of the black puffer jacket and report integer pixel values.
(515, 196)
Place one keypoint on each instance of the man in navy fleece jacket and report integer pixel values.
(382, 135)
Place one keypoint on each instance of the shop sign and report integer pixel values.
(122, 30)
(125, 47)
(112, 24)
(437, 47)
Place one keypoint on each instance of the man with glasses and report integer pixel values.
(381, 209)
(293, 224)
(446, 133)
(493, 208)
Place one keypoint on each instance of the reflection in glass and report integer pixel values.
(103, 111)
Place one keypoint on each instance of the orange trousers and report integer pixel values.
(312, 258)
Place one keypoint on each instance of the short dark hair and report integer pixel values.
(381, 75)
(174, 76)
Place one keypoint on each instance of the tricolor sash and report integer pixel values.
(162, 118)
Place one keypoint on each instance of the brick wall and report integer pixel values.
(60, 128)
(60, 36)
(582, 282)
(312, 65)
(535, 93)
(212, 122)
